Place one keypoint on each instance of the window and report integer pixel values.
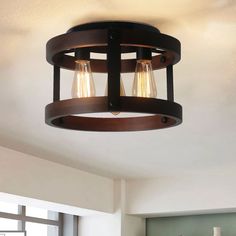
(41, 213)
(8, 207)
(37, 212)
(6, 224)
(32, 221)
(34, 229)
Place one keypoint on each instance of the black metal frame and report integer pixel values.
(56, 83)
(113, 38)
(113, 68)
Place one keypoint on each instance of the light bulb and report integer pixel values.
(83, 84)
(122, 93)
(144, 83)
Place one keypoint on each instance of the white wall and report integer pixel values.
(118, 224)
(107, 225)
(100, 225)
(28, 180)
(134, 226)
(72, 191)
(111, 225)
(30, 177)
(182, 195)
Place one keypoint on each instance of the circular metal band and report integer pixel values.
(163, 114)
(95, 40)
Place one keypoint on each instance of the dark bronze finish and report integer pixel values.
(113, 39)
(94, 38)
(170, 83)
(56, 83)
(113, 68)
(60, 114)
(120, 25)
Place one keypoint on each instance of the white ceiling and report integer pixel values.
(205, 84)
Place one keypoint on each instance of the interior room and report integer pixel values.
(118, 118)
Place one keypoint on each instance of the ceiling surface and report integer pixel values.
(205, 84)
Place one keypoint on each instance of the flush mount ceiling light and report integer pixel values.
(153, 51)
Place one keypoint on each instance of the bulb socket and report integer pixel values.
(144, 54)
(82, 54)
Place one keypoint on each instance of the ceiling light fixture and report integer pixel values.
(153, 51)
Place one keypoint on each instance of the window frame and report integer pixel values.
(22, 218)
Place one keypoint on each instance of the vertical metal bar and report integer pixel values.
(56, 83)
(113, 68)
(21, 223)
(170, 85)
(61, 223)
